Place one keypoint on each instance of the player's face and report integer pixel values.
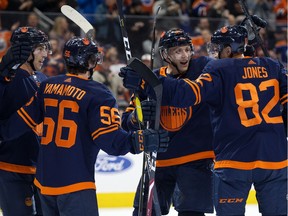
(40, 54)
(180, 56)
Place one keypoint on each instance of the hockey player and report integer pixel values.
(16, 55)
(18, 156)
(244, 95)
(187, 162)
(80, 118)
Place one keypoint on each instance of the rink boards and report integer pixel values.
(117, 179)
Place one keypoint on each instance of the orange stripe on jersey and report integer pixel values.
(129, 109)
(185, 159)
(284, 99)
(17, 168)
(205, 76)
(250, 165)
(162, 71)
(65, 189)
(102, 131)
(195, 89)
(38, 130)
(28, 120)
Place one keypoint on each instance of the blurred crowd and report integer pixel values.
(199, 17)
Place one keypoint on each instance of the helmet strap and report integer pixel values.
(31, 62)
(90, 73)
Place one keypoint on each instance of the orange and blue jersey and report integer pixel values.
(244, 96)
(189, 127)
(14, 94)
(19, 154)
(80, 117)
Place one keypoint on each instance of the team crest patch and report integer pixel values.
(28, 201)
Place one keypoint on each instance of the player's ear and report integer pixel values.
(228, 51)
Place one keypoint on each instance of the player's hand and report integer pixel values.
(14, 58)
(148, 112)
(131, 79)
(150, 140)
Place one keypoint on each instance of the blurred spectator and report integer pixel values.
(203, 23)
(218, 10)
(147, 46)
(280, 9)
(199, 8)
(61, 31)
(107, 24)
(138, 26)
(107, 72)
(200, 43)
(3, 4)
(54, 64)
(33, 20)
(19, 5)
(234, 8)
(169, 8)
(281, 48)
(146, 59)
(4, 40)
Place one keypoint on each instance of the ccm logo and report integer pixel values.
(231, 200)
(141, 140)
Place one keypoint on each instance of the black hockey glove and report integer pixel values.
(148, 112)
(132, 81)
(150, 140)
(14, 58)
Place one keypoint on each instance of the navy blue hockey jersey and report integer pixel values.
(244, 96)
(189, 127)
(20, 153)
(80, 117)
(15, 93)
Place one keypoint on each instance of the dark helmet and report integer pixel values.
(78, 52)
(29, 35)
(233, 36)
(174, 37)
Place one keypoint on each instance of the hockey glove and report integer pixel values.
(148, 112)
(14, 58)
(150, 140)
(132, 81)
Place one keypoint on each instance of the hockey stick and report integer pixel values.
(79, 20)
(153, 38)
(138, 105)
(154, 82)
(146, 156)
(152, 166)
(253, 27)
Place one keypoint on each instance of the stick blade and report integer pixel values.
(77, 18)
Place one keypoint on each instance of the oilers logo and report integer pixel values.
(174, 118)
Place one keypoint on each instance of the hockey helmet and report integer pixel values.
(30, 35)
(173, 38)
(79, 52)
(233, 36)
